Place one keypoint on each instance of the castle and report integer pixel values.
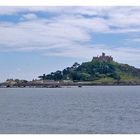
(103, 58)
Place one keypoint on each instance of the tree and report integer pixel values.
(75, 65)
(43, 77)
(58, 75)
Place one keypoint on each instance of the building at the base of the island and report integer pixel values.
(103, 57)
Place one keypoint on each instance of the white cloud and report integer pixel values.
(29, 16)
(123, 55)
(69, 30)
(38, 33)
(137, 40)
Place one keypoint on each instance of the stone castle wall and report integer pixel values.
(104, 58)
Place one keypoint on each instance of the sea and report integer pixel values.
(70, 110)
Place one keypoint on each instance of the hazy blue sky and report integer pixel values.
(37, 40)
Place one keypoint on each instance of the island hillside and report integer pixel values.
(101, 70)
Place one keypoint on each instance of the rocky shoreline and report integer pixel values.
(60, 85)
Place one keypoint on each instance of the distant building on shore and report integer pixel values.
(44, 82)
(10, 82)
(103, 58)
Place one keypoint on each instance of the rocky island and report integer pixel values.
(101, 70)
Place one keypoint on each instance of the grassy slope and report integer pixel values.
(125, 77)
(126, 73)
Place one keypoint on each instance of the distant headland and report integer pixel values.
(101, 70)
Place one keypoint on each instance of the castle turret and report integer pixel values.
(103, 54)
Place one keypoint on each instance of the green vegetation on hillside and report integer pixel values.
(96, 71)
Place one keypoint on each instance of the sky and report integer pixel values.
(38, 40)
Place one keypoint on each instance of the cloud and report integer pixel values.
(29, 16)
(122, 55)
(132, 40)
(38, 33)
(69, 31)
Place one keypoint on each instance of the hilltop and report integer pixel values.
(100, 70)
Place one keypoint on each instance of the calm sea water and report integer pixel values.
(99, 109)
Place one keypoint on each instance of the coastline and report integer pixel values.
(68, 86)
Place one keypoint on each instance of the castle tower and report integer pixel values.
(103, 54)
